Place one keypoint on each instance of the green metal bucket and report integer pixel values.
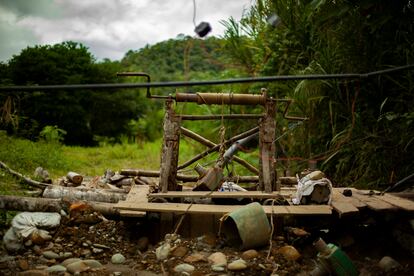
(247, 227)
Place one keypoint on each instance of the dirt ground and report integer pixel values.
(97, 239)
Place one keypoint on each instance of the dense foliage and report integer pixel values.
(362, 129)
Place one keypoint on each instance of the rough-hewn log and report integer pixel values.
(217, 147)
(219, 117)
(33, 204)
(170, 149)
(187, 178)
(27, 180)
(210, 144)
(70, 193)
(75, 178)
(267, 171)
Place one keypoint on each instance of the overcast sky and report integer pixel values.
(108, 27)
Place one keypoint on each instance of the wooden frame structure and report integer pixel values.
(265, 175)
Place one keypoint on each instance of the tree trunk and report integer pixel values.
(70, 193)
(33, 204)
(75, 178)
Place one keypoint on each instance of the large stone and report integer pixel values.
(67, 262)
(118, 259)
(387, 263)
(239, 264)
(289, 252)
(93, 263)
(184, 268)
(77, 267)
(34, 272)
(218, 259)
(180, 251)
(250, 254)
(56, 268)
(163, 251)
(51, 255)
(195, 257)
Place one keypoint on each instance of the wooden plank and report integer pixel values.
(138, 193)
(351, 199)
(372, 202)
(402, 203)
(342, 204)
(223, 209)
(201, 194)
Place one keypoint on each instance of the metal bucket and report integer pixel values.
(247, 227)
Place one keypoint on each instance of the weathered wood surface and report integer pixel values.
(371, 201)
(210, 144)
(138, 193)
(72, 193)
(200, 194)
(34, 204)
(170, 149)
(188, 178)
(267, 132)
(298, 210)
(75, 178)
(342, 205)
(402, 203)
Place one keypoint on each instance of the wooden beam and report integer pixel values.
(170, 149)
(267, 172)
(210, 144)
(138, 194)
(402, 203)
(371, 201)
(199, 194)
(297, 210)
(342, 205)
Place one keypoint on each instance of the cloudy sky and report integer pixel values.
(108, 27)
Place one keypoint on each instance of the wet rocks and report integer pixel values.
(218, 259)
(51, 255)
(77, 267)
(195, 257)
(236, 265)
(387, 263)
(56, 269)
(180, 251)
(249, 254)
(163, 251)
(118, 259)
(289, 252)
(187, 268)
(67, 262)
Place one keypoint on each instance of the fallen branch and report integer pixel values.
(27, 180)
(33, 204)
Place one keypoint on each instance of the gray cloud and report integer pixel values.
(108, 28)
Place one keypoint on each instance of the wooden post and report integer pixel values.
(267, 172)
(170, 148)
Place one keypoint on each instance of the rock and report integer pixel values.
(86, 252)
(250, 254)
(93, 263)
(217, 268)
(279, 238)
(56, 268)
(40, 237)
(67, 262)
(196, 257)
(84, 244)
(50, 255)
(97, 250)
(97, 245)
(66, 255)
(218, 259)
(289, 252)
(77, 267)
(184, 268)
(239, 264)
(142, 244)
(387, 263)
(180, 251)
(163, 251)
(118, 259)
(34, 272)
(23, 264)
